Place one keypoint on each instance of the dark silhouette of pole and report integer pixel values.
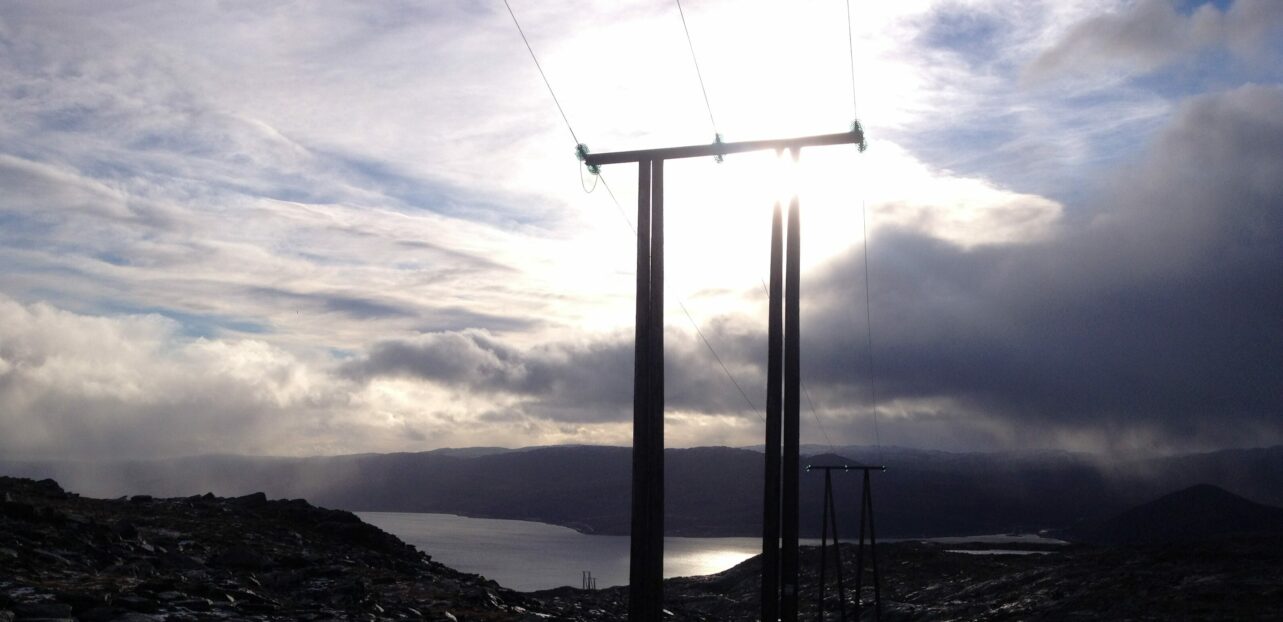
(866, 519)
(655, 483)
(646, 586)
(829, 521)
(792, 407)
(866, 512)
(646, 565)
(774, 378)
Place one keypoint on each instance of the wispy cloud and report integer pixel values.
(1152, 34)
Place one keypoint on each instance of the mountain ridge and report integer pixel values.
(711, 491)
(1200, 512)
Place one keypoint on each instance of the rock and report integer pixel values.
(125, 529)
(28, 611)
(252, 500)
(134, 602)
(101, 614)
(19, 511)
(241, 556)
(49, 487)
(195, 604)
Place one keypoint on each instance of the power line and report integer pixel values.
(541, 73)
(698, 73)
(815, 413)
(719, 360)
(623, 214)
(851, 45)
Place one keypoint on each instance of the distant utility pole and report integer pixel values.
(646, 566)
(829, 524)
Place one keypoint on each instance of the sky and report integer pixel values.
(293, 228)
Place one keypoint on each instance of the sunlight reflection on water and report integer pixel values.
(533, 556)
(530, 556)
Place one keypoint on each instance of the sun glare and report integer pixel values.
(718, 220)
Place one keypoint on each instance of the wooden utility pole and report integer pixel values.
(774, 400)
(780, 501)
(792, 420)
(646, 566)
(646, 556)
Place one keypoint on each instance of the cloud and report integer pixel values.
(95, 387)
(378, 203)
(1149, 323)
(1151, 34)
(1158, 314)
(575, 381)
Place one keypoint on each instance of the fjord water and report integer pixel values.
(529, 556)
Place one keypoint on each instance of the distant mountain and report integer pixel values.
(709, 490)
(470, 452)
(1196, 513)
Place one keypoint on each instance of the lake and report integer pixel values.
(528, 556)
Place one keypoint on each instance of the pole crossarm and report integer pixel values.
(854, 137)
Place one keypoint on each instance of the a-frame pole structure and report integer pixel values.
(829, 519)
(646, 565)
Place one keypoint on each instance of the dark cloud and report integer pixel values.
(353, 306)
(577, 382)
(356, 306)
(1161, 311)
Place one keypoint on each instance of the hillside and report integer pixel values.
(710, 490)
(211, 558)
(1197, 513)
(65, 557)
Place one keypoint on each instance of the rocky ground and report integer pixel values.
(1232, 580)
(64, 557)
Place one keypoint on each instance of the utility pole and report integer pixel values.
(829, 519)
(774, 374)
(647, 545)
(792, 420)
